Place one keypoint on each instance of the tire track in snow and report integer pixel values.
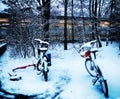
(58, 88)
(60, 84)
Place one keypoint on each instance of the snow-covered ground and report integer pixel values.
(68, 78)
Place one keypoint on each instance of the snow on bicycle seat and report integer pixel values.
(89, 44)
(44, 42)
(85, 47)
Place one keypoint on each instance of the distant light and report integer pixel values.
(104, 24)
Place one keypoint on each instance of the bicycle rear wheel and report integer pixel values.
(90, 67)
(104, 87)
(38, 65)
(45, 73)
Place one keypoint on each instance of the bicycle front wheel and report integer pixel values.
(45, 71)
(90, 67)
(104, 87)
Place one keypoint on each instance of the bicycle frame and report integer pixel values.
(43, 59)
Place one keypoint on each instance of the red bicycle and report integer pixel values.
(93, 69)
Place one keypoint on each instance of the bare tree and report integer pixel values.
(72, 14)
(24, 27)
(45, 5)
(115, 20)
(65, 25)
(95, 15)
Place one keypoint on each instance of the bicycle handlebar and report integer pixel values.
(42, 42)
(94, 52)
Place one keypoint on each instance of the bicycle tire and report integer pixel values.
(103, 83)
(38, 65)
(45, 75)
(90, 67)
(104, 87)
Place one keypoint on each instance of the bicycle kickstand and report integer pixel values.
(95, 80)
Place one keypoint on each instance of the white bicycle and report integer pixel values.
(44, 59)
(92, 68)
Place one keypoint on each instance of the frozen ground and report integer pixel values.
(68, 78)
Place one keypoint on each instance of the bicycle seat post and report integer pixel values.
(94, 52)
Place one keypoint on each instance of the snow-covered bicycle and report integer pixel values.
(93, 69)
(44, 59)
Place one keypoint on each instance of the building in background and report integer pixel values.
(4, 23)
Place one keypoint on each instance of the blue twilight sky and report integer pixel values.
(2, 6)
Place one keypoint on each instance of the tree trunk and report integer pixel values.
(83, 21)
(72, 23)
(65, 26)
(46, 17)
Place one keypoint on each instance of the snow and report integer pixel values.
(68, 78)
(39, 40)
